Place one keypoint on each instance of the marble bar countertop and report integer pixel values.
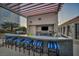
(41, 37)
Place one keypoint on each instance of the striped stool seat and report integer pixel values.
(37, 44)
(8, 39)
(53, 48)
(11, 40)
(18, 41)
(28, 44)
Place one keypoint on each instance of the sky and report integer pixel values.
(68, 12)
(23, 21)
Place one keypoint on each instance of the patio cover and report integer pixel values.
(30, 9)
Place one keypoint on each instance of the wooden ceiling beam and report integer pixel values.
(41, 7)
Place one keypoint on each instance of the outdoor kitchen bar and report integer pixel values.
(42, 30)
(43, 44)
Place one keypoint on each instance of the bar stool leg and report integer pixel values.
(33, 52)
(11, 46)
(29, 52)
(23, 50)
(57, 52)
(15, 48)
(2, 43)
(27, 48)
(41, 52)
(8, 45)
(19, 49)
(48, 52)
(5, 44)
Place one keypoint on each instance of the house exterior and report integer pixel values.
(71, 29)
(43, 24)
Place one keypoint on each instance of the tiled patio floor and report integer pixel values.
(11, 52)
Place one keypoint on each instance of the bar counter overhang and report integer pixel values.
(44, 38)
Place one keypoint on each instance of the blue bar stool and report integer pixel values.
(10, 41)
(34, 47)
(37, 47)
(20, 44)
(17, 43)
(24, 42)
(27, 45)
(53, 48)
(57, 50)
(7, 39)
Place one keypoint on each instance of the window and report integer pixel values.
(30, 21)
(44, 28)
(63, 30)
(68, 30)
(39, 18)
(77, 31)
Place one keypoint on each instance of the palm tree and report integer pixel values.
(9, 26)
(23, 29)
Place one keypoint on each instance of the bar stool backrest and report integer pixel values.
(35, 42)
(51, 45)
(27, 41)
(39, 44)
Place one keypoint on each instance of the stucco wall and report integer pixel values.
(50, 18)
(71, 32)
(76, 47)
